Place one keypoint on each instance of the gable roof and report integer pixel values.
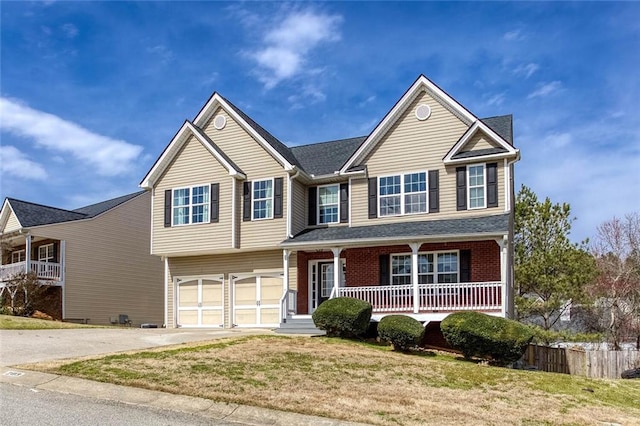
(32, 214)
(187, 130)
(325, 158)
(504, 149)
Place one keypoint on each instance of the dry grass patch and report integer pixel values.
(364, 383)
(9, 322)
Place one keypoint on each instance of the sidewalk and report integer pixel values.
(149, 398)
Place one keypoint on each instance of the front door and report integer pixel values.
(322, 281)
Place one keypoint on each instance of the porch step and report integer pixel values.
(299, 326)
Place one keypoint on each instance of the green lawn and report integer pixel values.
(365, 383)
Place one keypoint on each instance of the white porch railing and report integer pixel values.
(43, 270)
(288, 303)
(431, 297)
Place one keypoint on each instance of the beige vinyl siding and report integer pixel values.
(257, 164)
(12, 223)
(194, 165)
(412, 145)
(479, 141)
(226, 264)
(108, 268)
(299, 206)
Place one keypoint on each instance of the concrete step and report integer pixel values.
(299, 326)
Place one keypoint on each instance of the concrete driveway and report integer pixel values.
(29, 346)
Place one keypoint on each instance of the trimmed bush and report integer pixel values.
(485, 336)
(343, 317)
(402, 331)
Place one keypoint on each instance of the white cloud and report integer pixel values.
(70, 30)
(165, 54)
(13, 162)
(496, 100)
(526, 70)
(545, 89)
(286, 47)
(109, 157)
(513, 35)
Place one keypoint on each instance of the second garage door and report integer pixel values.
(256, 299)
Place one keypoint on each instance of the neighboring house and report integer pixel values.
(415, 218)
(97, 258)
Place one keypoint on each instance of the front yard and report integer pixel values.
(9, 322)
(364, 383)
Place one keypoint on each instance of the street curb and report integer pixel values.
(162, 400)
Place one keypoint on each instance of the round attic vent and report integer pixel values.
(219, 122)
(423, 111)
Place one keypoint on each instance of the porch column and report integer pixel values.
(63, 258)
(27, 257)
(505, 293)
(336, 269)
(414, 276)
(284, 306)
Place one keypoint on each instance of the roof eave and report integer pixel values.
(515, 155)
(392, 240)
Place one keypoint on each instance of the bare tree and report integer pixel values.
(617, 287)
(24, 289)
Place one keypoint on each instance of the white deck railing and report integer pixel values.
(43, 270)
(431, 297)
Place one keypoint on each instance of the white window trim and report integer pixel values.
(46, 259)
(318, 205)
(484, 187)
(402, 193)
(253, 199)
(190, 205)
(435, 264)
(18, 252)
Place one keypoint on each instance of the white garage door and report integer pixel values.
(256, 299)
(200, 301)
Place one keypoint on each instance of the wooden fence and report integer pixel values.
(577, 361)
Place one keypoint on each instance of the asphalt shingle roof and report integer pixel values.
(326, 157)
(502, 125)
(32, 214)
(474, 225)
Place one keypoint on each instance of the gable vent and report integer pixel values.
(423, 111)
(219, 122)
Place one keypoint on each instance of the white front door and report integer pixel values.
(321, 281)
(256, 299)
(200, 301)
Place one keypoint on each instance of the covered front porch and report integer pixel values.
(26, 253)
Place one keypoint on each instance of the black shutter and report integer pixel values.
(373, 198)
(167, 208)
(215, 203)
(492, 185)
(465, 266)
(55, 252)
(277, 197)
(246, 201)
(385, 278)
(434, 191)
(461, 188)
(344, 202)
(313, 205)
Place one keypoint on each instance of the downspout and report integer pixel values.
(233, 212)
(290, 179)
(510, 271)
(166, 291)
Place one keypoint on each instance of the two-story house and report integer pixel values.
(94, 260)
(415, 218)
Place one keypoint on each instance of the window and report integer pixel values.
(403, 194)
(438, 267)
(263, 199)
(18, 256)
(477, 187)
(191, 205)
(45, 253)
(328, 201)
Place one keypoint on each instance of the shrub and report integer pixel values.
(402, 331)
(343, 317)
(485, 336)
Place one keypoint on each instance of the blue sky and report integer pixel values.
(92, 92)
